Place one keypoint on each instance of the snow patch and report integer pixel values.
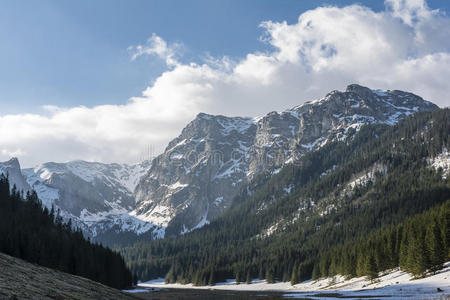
(218, 200)
(289, 189)
(441, 161)
(241, 125)
(177, 185)
(380, 93)
(204, 221)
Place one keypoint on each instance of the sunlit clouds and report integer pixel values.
(406, 47)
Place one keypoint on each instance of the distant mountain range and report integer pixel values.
(194, 181)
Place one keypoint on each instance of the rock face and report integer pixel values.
(196, 177)
(12, 169)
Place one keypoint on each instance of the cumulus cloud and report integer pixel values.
(406, 46)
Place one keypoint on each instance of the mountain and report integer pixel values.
(358, 205)
(197, 176)
(194, 181)
(95, 196)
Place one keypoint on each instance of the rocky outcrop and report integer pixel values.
(12, 170)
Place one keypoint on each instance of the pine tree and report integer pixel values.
(170, 276)
(316, 272)
(238, 277)
(270, 275)
(404, 246)
(248, 280)
(435, 247)
(417, 256)
(371, 267)
(212, 278)
(261, 272)
(360, 264)
(295, 276)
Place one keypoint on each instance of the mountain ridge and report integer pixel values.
(195, 179)
(215, 154)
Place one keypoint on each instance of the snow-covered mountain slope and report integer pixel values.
(196, 177)
(95, 196)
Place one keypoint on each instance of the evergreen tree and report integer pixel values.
(249, 278)
(212, 278)
(417, 255)
(371, 267)
(435, 247)
(316, 272)
(295, 276)
(270, 275)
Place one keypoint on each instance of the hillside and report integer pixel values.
(337, 194)
(32, 232)
(22, 280)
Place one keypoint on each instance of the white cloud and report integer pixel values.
(407, 47)
(410, 11)
(156, 46)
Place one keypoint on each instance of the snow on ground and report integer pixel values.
(441, 161)
(392, 285)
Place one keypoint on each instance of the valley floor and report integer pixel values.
(391, 285)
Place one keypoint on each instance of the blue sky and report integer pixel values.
(70, 53)
(103, 80)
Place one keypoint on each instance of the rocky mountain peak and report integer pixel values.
(360, 90)
(11, 168)
(13, 163)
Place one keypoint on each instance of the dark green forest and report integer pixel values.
(419, 244)
(37, 235)
(322, 219)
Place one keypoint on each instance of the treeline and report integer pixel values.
(37, 235)
(320, 213)
(418, 245)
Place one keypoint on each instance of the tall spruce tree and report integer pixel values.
(435, 247)
(371, 269)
